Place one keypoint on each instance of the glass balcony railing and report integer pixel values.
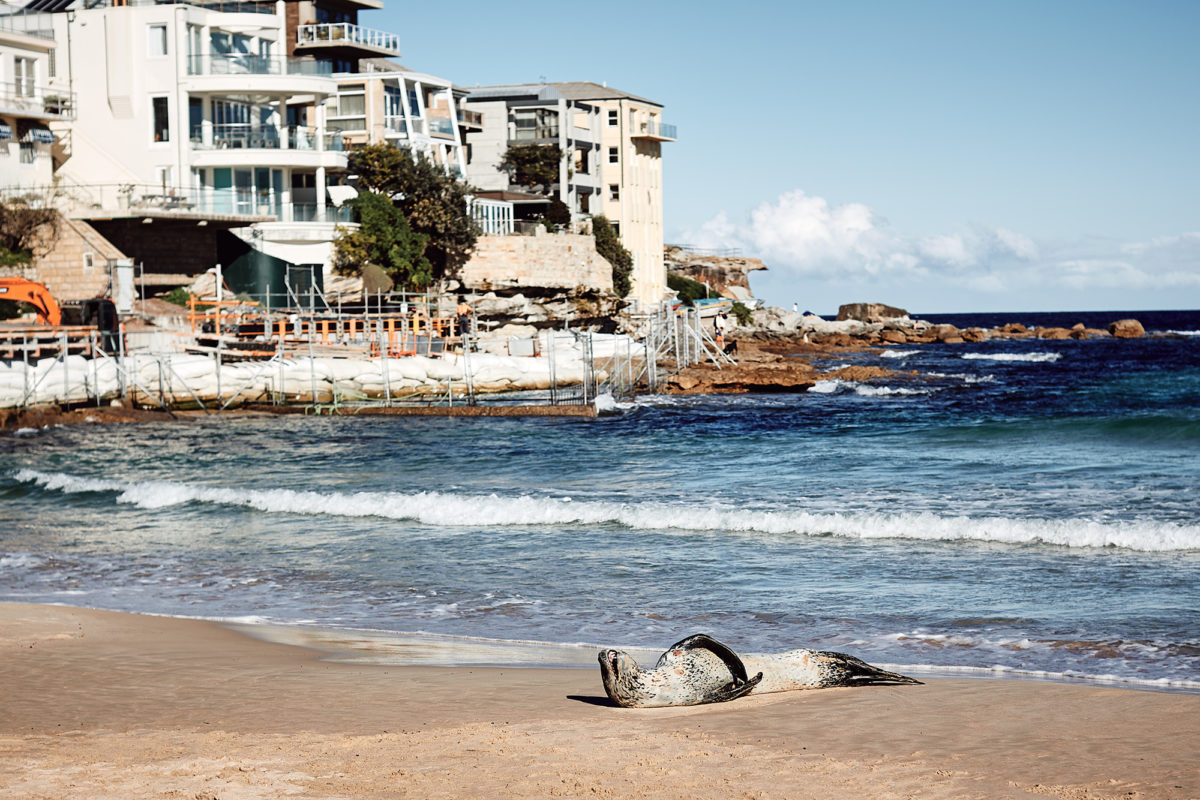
(441, 125)
(395, 125)
(656, 130)
(246, 64)
(262, 137)
(343, 34)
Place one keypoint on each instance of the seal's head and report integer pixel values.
(621, 677)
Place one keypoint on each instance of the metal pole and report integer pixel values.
(66, 370)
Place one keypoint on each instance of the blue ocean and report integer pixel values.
(1015, 508)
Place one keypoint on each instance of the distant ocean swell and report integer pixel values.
(458, 510)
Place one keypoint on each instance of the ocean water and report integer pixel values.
(1016, 508)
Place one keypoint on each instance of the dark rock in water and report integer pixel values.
(869, 312)
(1126, 329)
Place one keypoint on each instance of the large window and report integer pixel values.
(535, 123)
(160, 115)
(613, 118)
(24, 76)
(613, 156)
(347, 111)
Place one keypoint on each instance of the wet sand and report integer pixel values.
(101, 704)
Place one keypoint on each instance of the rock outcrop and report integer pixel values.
(728, 276)
(1126, 329)
(869, 312)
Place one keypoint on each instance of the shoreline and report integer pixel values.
(110, 704)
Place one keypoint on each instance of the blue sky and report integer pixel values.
(968, 156)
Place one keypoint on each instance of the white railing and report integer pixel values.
(345, 33)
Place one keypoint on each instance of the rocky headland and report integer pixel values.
(784, 351)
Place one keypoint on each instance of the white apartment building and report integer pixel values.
(620, 146)
(192, 114)
(28, 105)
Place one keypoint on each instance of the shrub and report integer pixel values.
(686, 289)
(608, 244)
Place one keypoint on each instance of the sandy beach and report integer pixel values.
(102, 704)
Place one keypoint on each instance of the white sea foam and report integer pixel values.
(460, 509)
(898, 353)
(1184, 333)
(1033, 357)
(867, 390)
(826, 387)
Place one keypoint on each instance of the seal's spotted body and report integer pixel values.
(702, 670)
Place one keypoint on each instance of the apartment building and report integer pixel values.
(612, 143)
(190, 120)
(28, 104)
(535, 114)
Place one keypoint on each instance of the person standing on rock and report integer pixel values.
(719, 326)
(463, 313)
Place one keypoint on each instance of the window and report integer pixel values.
(23, 76)
(613, 117)
(51, 65)
(89, 261)
(28, 152)
(156, 40)
(161, 119)
(614, 191)
(348, 108)
(613, 158)
(582, 161)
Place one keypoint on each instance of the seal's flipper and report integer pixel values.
(851, 671)
(733, 691)
(702, 641)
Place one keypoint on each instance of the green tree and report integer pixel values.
(26, 224)
(557, 213)
(385, 240)
(433, 203)
(532, 164)
(608, 244)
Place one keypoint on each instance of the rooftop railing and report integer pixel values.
(246, 64)
(345, 33)
(223, 6)
(28, 23)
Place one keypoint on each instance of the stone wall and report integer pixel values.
(548, 261)
(65, 268)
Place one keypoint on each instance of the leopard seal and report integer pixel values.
(700, 669)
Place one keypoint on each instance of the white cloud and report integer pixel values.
(805, 236)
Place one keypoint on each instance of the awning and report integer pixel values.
(41, 135)
(340, 194)
(5, 131)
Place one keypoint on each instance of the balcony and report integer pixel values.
(656, 131)
(441, 126)
(243, 144)
(393, 125)
(238, 73)
(20, 99)
(347, 36)
(263, 137)
(470, 119)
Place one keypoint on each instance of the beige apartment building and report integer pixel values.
(627, 172)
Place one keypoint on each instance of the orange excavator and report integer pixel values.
(26, 291)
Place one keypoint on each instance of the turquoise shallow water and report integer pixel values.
(1030, 509)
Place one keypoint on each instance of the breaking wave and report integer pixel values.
(1033, 357)
(457, 510)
